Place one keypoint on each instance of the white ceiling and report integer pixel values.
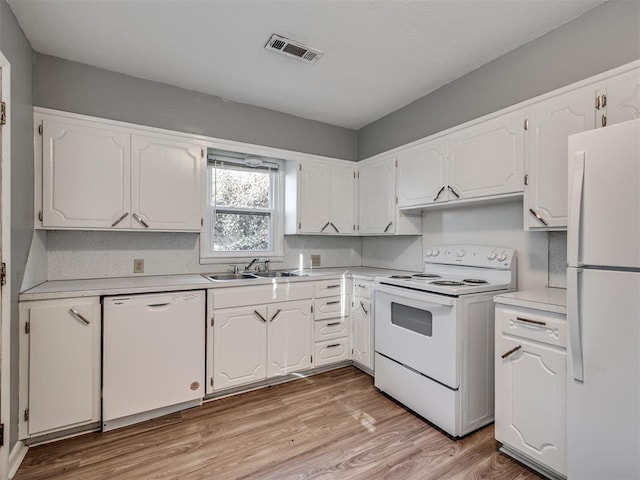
(378, 55)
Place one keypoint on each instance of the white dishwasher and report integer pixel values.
(153, 356)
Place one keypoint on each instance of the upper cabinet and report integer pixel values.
(487, 159)
(321, 198)
(378, 212)
(550, 124)
(422, 174)
(99, 176)
(618, 99)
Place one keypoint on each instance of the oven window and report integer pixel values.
(414, 319)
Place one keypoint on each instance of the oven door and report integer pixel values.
(418, 330)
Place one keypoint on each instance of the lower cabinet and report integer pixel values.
(362, 325)
(253, 343)
(59, 365)
(531, 386)
(331, 322)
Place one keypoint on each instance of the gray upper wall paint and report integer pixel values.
(603, 38)
(17, 49)
(79, 88)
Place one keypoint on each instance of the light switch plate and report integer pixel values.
(315, 260)
(138, 265)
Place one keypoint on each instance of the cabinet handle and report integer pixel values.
(334, 227)
(333, 286)
(512, 351)
(386, 229)
(363, 309)
(260, 316)
(325, 226)
(537, 215)
(124, 215)
(453, 191)
(77, 315)
(604, 120)
(333, 324)
(533, 322)
(435, 199)
(360, 286)
(335, 302)
(275, 315)
(333, 345)
(140, 220)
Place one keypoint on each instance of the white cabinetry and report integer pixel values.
(531, 386)
(618, 99)
(99, 176)
(487, 159)
(378, 212)
(422, 174)
(59, 365)
(550, 124)
(321, 198)
(362, 325)
(331, 322)
(258, 332)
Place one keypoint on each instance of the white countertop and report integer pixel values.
(547, 299)
(149, 284)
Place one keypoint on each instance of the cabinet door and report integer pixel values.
(166, 184)
(64, 364)
(239, 346)
(533, 391)
(289, 339)
(377, 196)
(550, 124)
(487, 159)
(85, 170)
(623, 99)
(422, 174)
(361, 340)
(313, 198)
(342, 198)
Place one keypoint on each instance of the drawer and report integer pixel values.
(330, 288)
(331, 351)
(535, 325)
(362, 288)
(332, 328)
(261, 294)
(330, 307)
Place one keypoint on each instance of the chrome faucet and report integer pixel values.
(246, 269)
(235, 269)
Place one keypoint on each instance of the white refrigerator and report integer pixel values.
(603, 304)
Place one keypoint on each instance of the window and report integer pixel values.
(244, 205)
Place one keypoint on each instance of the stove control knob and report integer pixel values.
(502, 256)
(436, 252)
(460, 253)
(429, 252)
(492, 255)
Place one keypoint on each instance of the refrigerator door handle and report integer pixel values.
(574, 320)
(575, 209)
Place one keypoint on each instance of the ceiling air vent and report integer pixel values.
(291, 48)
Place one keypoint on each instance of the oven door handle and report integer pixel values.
(415, 295)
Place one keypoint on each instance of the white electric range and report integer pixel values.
(434, 334)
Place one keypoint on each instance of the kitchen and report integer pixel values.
(65, 255)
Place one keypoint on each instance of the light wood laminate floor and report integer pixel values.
(334, 425)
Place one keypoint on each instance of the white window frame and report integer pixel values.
(277, 225)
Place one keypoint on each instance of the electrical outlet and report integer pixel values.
(315, 260)
(138, 265)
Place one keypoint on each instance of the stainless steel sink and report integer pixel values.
(221, 277)
(274, 274)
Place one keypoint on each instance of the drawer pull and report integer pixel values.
(77, 315)
(363, 309)
(333, 286)
(512, 351)
(333, 324)
(260, 316)
(333, 345)
(360, 286)
(335, 302)
(532, 322)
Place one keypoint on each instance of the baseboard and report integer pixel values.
(18, 452)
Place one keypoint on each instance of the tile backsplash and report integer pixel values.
(558, 259)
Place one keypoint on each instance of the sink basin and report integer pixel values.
(220, 277)
(274, 274)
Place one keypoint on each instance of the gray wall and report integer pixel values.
(15, 47)
(79, 88)
(603, 38)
